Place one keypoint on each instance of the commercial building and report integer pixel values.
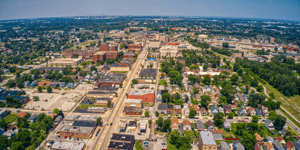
(111, 79)
(168, 51)
(133, 102)
(64, 145)
(99, 94)
(148, 73)
(121, 142)
(128, 55)
(99, 56)
(86, 54)
(66, 61)
(13, 94)
(154, 44)
(207, 141)
(108, 47)
(82, 129)
(135, 47)
(147, 96)
(132, 111)
(118, 67)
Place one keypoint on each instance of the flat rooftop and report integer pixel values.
(140, 92)
(207, 138)
(68, 145)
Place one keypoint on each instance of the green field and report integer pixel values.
(288, 103)
(86, 106)
(138, 146)
(11, 118)
(189, 133)
(7, 77)
(290, 118)
(86, 63)
(80, 45)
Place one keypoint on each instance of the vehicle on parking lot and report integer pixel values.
(139, 134)
(110, 124)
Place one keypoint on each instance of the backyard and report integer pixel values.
(11, 118)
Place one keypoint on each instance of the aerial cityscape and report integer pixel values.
(149, 82)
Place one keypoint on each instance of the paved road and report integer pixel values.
(108, 130)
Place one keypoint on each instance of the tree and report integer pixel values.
(3, 142)
(206, 80)
(205, 100)
(174, 136)
(146, 113)
(75, 56)
(121, 85)
(166, 97)
(279, 122)
(36, 98)
(225, 45)
(160, 121)
(272, 95)
(248, 141)
(56, 111)
(134, 81)
(255, 99)
(149, 121)
(3, 124)
(109, 103)
(156, 113)
(49, 89)
(272, 115)
(166, 125)
(230, 115)
(123, 45)
(218, 119)
(195, 90)
(10, 83)
(236, 66)
(192, 113)
(255, 118)
(240, 72)
(234, 79)
(40, 89)
(260, 88)
(18, 145)
(240, 128)
(99, 121)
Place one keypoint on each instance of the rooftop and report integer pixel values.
(68, 145)
(140, 92)
(207, 138)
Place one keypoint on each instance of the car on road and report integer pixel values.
(111, 124)
(139, 134)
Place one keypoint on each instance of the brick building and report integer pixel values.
(99, 56)
(147, 96)
(106, 47)
(112, 54)
(86, 54)
(133, 111)
(135, 47)
(128, 55)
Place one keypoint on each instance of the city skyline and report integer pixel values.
(274, 10)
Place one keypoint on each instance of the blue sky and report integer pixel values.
(265, 9)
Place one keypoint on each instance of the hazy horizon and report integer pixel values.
(255, 9)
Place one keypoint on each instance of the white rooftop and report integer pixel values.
(207, 138)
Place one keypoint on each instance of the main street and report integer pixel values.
(102, 141)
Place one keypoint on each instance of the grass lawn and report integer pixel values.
(80, 45)
(170, 146)
(194, 125)
(228, 134)
(286, 102)
(86, 106)
(138, 146)
(11, 118)
(86, 63)
(290, 118)
(189, 133)
(120, 72)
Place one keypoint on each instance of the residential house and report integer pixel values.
(33, 118)
(197, 112)
(26, 83)
(259, 139)
(177, 109)
(162, 108)
(200, 125)
(251, 111)
(213, 110)
(224, 146)
(210, 125)
(257, 147)
(227, 124)
(258, 112)
(265, 110)
(206, 141)
(221, 109)
(203, 111)
(11, 133)
(269, 139)
(174, 124)
(237, 145)
(1, 131)
(170, 109)
(268, 146)
(280, 139)
(289, 146)
(187, 125)
(186, 111)
(4, 113)
(269, 124)
(242, 111)
(218, 134)
(277, 145)
(22, 114)
(233, 107)
(227, 109)
(296, 144)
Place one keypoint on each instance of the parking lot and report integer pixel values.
(84, 87)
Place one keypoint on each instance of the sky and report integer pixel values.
(263, 9)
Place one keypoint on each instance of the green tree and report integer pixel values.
(166, 97)
(174, 136)
(192, 113)
(255, 118)
(206, 80)
(205, 100)
(149, 121)
(99, 121)
(134, 81)
(56, 111)
(218, 119)
(40, 89)
(260, 88)
(272, 95)
(109, 103)
(195, 90)
(166, 125)
(230, 115)
(160, 121)
(248, 141)
(156, 113)
(49, 89)
(279, 122)
(146, 113)
(10, 83)
(272, 115)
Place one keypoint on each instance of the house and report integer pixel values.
(277, 145)
(280, 139)
(33, 118)
(289, 146)
(227, 109)
(258, 112)
(265, 110)
(259, 139)
(200, 125)
(70, 85)
(269, 139)
(11, 133)
(213, 110)
(132, 125)
(186, 111)
(210, 125)
(174, 124)
(242, 111)
(33, 84)
(218, 134)
(4, 113)
(26, 83)
(251, 111)
(22, 114)
(197, 112)
(221, 109)
(1, 131)
(237, 145)
(227, 124)
(170, 109)
(257, 147)
(177, 109)
(269, 124)
(296, 144)
(203, 111)
(268, 146)
(233, 107)
(162, 108)
(224, 146)
(187, 125)
(206, 140)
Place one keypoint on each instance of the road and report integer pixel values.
(103, 140)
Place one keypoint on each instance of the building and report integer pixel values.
(133, 102)
(100, 94)
(135, 47)
(65, 145)
(170, 109)
(22, 114)
(210, 125)
(112, 54)
(218, 134)
(128, 55)
(99, 56)
(143, 126)
(148, 73)
(66, 61)
(174, 123)
(168, 51)
(207, 141)
(132, 125)
(200, 125)
(111, 79)
(108, 47)
(147, 96)
(269, 124)
(132, 111)
(13, 94)
(162, 108)
(118, 67)
(177, 109)
(121, 142)
(237, 145)
(154, 44)
(123, 126)
(82, 129)
(33, 118)
(187, 125)
(4, 113)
